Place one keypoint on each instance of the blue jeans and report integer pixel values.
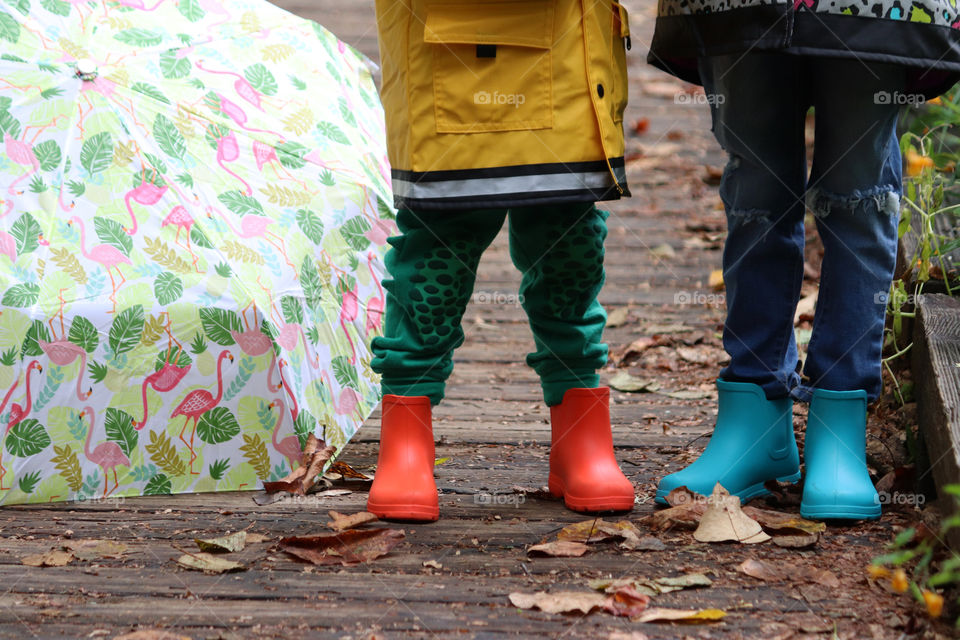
(759, 103)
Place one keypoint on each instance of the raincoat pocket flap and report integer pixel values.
(520, 24)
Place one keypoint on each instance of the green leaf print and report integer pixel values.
(158, 485)
(298, 84)
(218, 323)
(191, 10)
(49, 93)
(23, 6)
(9, 28)
(126, 330)
(9, 125)
(262, 80)
(291, 154)
(240, 203)
(345, 373)
(29, 482)
(199, 238)
(310, 280)
(48, 155)
(97, 371)
(219, 468)
(21, 295)
(311, 225)
(97, 152)
(26, 231)
(111, 232)
(163, 357)
(27, 438)
(173, 67)
(58, 7)
(9, 357)
(333, 132)
(217, 426)
(303, 426)
(84, 334)
(347, 114)
(292, 309)
(352, 231)
(119, 427)
(37, 331)
(167, 288)
(169, 137)
(138, 37)
(150, 90)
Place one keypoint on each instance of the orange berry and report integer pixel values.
(934, 602)
(877, 572)
(916, 163)
(899, 581)
(936, 101)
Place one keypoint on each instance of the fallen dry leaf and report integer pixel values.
(341, 522)
(347, 471)
(659, 614)
(723, 521)
(784, 523)
(618, 317)
(209, 563)
(623, 381)
(558, 549)
(624, 601)
(347, 547)
(646, 543)
(52, 558)
(683, 495)
(152, 634)
(598, 530)
(654, 586)
(433, 564)
(224, 544)
(96, 549)
(256, 538)
(796, 542)
(682, 516)
(715, 281)
(780, 571)
(316, 454)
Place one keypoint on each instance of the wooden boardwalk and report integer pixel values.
(494, 430)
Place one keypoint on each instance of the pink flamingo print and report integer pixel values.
(7, 207)
(109, 257)
(181, 218)
(197, 403)
(253, 342)
(215, 6)
(63, 353)
(8, 246)
(295, 408)
(243, 87)
(228, 150)
(254, 226)
(349, 309)
(147, 194)
(344, 404)
(107, 455)
(289, 447)
(21, 153)
(288, 334)
(17, 413)
(139, 4)
(166, 377)
(265, 155)
(375, 304)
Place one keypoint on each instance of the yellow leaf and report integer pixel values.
(716, 280)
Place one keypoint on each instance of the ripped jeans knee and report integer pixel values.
(882, 198)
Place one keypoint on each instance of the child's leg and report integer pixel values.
(854, 192)
(432, 268)
(559, 251)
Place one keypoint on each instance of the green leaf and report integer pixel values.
(218, 323)
(262, 80)
(27, 438)
(37, 331)
(167, 288)
(199, 238)
(352, 231)
(158, 485)
(183, 361)
(191, 10)
(333, 132)
(240, 203)
(119, 427)
(150, 90)
(97, 371)
(6, 101)
(76, 188)
(9, 358)
(185, 179)
(126, 330)
(48, 155)
(111, 232)
(310, 281)
(9, 28)
(219, 467)
(168, 137)
(155, 162)
(311, 225)
(348, 116)
(58, 7)
(97, 152)
(21, 295)
(198, 345)
(51, 92)
(84, 334)
(292, 309)
(345, 373)
(217, 425)
(291, 154)
(326, 177)
(173, 67)
(298, 84)
(23, 6)
(147, 175)
(139, 37)
(26, 231)
(29, 482)
(9, 125)
(303, 426)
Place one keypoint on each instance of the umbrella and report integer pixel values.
(194, 206)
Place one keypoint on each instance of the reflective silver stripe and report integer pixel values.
(573, 181)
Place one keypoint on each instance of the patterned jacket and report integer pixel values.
(922, 35)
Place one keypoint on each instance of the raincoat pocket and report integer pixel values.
(492, 65)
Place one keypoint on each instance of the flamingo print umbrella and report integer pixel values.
(194, 207)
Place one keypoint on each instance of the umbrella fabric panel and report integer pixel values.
(191, 240)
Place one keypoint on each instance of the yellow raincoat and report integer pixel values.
(501, 103)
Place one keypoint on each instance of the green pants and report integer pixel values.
(432, 269)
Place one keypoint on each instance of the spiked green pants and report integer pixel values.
(432, 269)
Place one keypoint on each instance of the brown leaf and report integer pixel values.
(659, 614)
(559, 602)
(96, 549)
(723, 520)
(209, 563)
(52, 558)
(682, 516)
(784, 523)
(347, 471)
(348, 547)
(683, 495)
(624, 381)
(796, 542)
(627, 602)
(652, 587)
(618, 317)
(597, 530)
(769, 571)
(558, 549)
(341, 521)
(233, 542)
(315, 455)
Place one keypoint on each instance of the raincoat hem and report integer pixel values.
(508, 200)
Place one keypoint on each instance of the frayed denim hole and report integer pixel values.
(882, 198)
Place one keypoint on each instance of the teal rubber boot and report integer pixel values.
(838, 483)
(752, 443)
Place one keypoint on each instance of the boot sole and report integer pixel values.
(751, 492)
(598, 504)
(404, 512)
(840, 512)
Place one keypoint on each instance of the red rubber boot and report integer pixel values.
(582, 467)
(403, 486)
